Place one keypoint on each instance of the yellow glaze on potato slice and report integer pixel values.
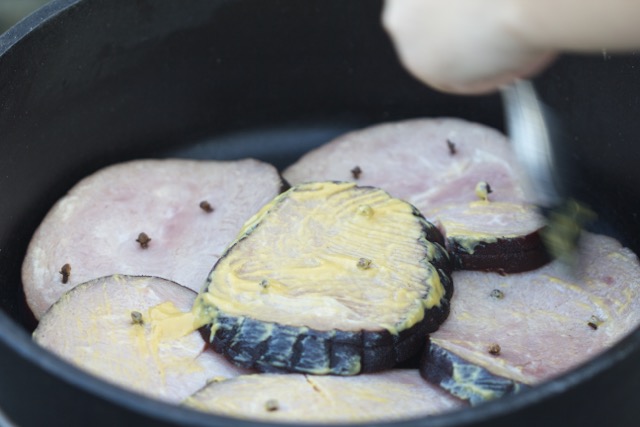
(330, 255)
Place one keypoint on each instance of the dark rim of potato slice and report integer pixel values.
(272, 346)
(462, 378)
(503, 255)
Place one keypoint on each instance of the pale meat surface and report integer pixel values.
(427, 162)
(546, 321)
(92, 327)
(390, 395)
(483, 221)
(95, 227)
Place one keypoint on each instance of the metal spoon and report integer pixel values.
(531, 138)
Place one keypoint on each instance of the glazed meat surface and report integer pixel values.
(115, 328)
(391, 395)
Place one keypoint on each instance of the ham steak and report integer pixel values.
(385, 396)
(427, 162)
(531, 327)
(166, 218)
(119, 328)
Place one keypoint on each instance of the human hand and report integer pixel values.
(475, 46)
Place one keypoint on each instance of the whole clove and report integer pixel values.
(144, 240)
(65, 271)
(206, 206)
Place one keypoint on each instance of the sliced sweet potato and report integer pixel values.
(329, 278)
(493, 236)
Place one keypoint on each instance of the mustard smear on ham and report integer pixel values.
(160, 355)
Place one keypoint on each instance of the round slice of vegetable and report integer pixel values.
(385, 396)
(493, 236)
(329, 278)
(136, 332)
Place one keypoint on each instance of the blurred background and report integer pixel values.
(11, 11)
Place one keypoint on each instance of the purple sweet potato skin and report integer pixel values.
(504, 255)
(464, 379)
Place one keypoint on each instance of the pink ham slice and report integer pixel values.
(95, 229)
(92, 327)
(533, 326)
(412, 160)
(385, 396)
(437, 164)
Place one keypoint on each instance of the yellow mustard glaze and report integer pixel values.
(468, 244)
(169, 323)
(471, 377)
(437, 291)
(204, 311)
(258, 216)
(299, 261)
(482, 191)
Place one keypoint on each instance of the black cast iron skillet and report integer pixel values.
(86, 83)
